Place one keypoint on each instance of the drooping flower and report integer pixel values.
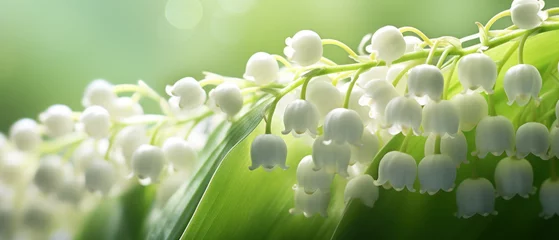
(494, 134)
(268, 151)
(124, 107)
(99, 92)
(514, 177)
(388, 43)
(49, 175)
(441, 118)
(362, 187)
(365, 153)
(310, 204)
(425, 82)
(412, 43)
(402, 115)
(324, 95)
(475, 196)
(333, 157)
(455, 147)
(96, 121)
(311, 180)
(436, 172)
(147, 163)
(472, 108)
(549, 198)
(477, 70)
(521, 83)
(300, 116)
(228, 98)
(378, 93)
(129, 139)
(343, 125)
(72, 190)
(25, 134)
(527, 14)
(397, 170)
(58, 120)
(375, 73)
(305, 48)
(262, 68)
(100, 176)
(532, 137)
(186, 93)
(180, 154)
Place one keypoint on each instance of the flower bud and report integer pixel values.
(425, 82)
(262, 68)
(527, 14)
(312, 180)
(522, 82)
(58, 120)
(494, 134)
(455, 147)
(25, 134)
(96, 121)
(13, 167)
(532, 137)
(333, 158)
(472, 108)
(228, 98)
(187, 92)
(378, 93)
(362, 187)
(268, 151)
(147, 163)
(403, 114)
(477, 70)
(436, 172)
(388, 43)
(99, 92)
(305, 48)
(300, 116)
(441, 118)
(365, 153)
(100, 176)
(49, 175)
(475, 196)
(129, 139)
(310, 204)
(397, 170)
(343, 125)
(124, 107)
(180, 153)
(324, 95)
(549, 198)
(514, 176)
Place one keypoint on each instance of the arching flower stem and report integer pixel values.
(521, 45)
(443, 57)
(342, 45)
(283, 61)
(402, 73)
(449, 78)
(351, 85)
(432, 52)
(419, 33)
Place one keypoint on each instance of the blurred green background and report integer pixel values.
(50, 50)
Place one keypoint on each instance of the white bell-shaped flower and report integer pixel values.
(436, 172)
(262, 68)
(362, 187)
(475, 196)
(71, 191)
(305, 48)
(472, 108)
(532, 137)
(514, 176)
(393, 73)
(147, 163)
(310, 179)
(228, 97)
(494, 134)
(343, 125)
(49, 175)
(425, 82)
(378, 93)
(180, 154)
(324, 95)
(554, 142)
(124, 107)
(310, 204)
(441, 118)
(549, 198)
(25, 134)
(187, 93)
(477, 70)
(397, 170)
(129, 139)
(388, 43)
(333, 157)
(57, 120)
(99, 92)
(39, 216)
(455, 147)
(268, 151)
(402, 115)
(521, 83)
(412, 43)
(353, 104)
(527, 14)
(100, 176)
(13, 167)
(300, 116)
(96, 121)
(375, 73)
(365, 153)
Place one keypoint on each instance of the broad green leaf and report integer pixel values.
(173, 219)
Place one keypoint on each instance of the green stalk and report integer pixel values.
(351, 85)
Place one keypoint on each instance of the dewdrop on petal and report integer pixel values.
(532, 137)
(441, 118)
(494, 134)
(343, 125)
(436, 172)
(96, 121)
(521, 83)
(425, 82)
(311, 180)
(514, 176)
(180, 153)
(378, 93)
(397, 170)
(187, 92)
(262, 68)
(527, 14)
(477, 70)
(25, 134)
(455, 147)
(549, 198)
(362, 187)
(305, 48)
(99, 92)
(475, 196)
(57, 120)
(268, 151)
(228, 97)
(299, 117)
(365, 153)
(332, 158)
(472, 108)
(49, 175)
(310, 204)
(402, 115)
(388, 43)
(147, 163)
(324, 95)
(100, 176)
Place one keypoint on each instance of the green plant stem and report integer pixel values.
(491, 104)
(494, 19)
(404, 145)
(449, 78)
(156, 130)
(351, 85)
(474, 161)
(112, 140)
(306, 81)
(419, 33)
(402, 73)
(282, 60)
(438, 144)
(443, 57)
(432, 52)
(341, 45)
(521, 45)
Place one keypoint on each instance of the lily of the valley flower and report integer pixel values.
(455, 147)
(472, 108)
(425, 82)
(549, 198)
(310, 204)
(332, 157)
(521, 83)
(527, 14)
(476, 71)
(441, 118)
(362, 187)
(402, 115)
(436, 172)
(305, 48)
(96, 121)
(262, 68)
(301, 116)
(532, 137)
(25, 134)
(343, 125)
(494, 134)
(268, 151)
(514, 177)
(388, 43)
(312, 180)
(100, 176)
(58, 120)
(475, 196)
(180, 154)
(397, 170)
(228, 98)
(49, 175)
(147, 163)
(186, 93)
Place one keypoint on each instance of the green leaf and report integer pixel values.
(171, 222)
